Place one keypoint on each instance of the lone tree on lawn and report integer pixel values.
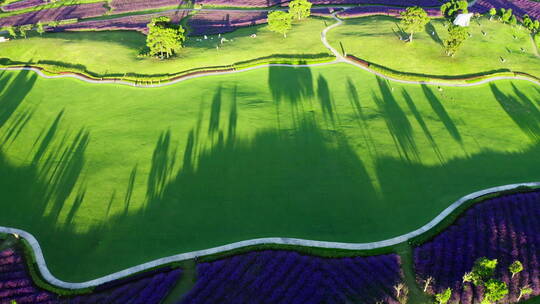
(279, 22)
(456, 36)
(300, 9)
(413, 20)
(164, 39)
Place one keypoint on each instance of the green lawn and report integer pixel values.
(115, 52)
(375, 39)
(108, 176)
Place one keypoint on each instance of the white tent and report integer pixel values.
(463, 19)
(3, 39)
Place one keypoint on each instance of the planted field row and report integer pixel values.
(505, 229)
(289, 277)
(122, 6)
(22, 5)
(381, 10)
(218, 22)
(16, 285)
(134, 23)
(54, 14)
(519, 7)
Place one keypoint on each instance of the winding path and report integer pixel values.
(339, 59)
(46, 274)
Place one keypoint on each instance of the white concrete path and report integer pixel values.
(339, 59)
(49, 277)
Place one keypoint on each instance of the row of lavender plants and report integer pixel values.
(274, 276)
(361, 11)
(122, 6)
(54, 14)
(506, 229)
(218, 22)
(16, 285)
(519, 7)
(134, 22)
(23, 4)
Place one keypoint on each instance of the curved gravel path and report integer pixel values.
(339, 59)
(46, 274)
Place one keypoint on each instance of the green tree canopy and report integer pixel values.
(525, 290)
(482, 270)
(164, 39)
(414, 19)
(39, 28)
(279, 22)
(495, 291)
(443, 297)
(530, 24)
(515, 268)
(456, 36)
(300, 9)
(506, 14)
(452, 8)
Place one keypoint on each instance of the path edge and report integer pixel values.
(51, 279)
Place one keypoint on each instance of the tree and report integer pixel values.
(525, 290)
(515, 268)
(23, 30)
(495, 290)
(414, 19)
(12, 31)
(452, 8)
(513, 20)
(300, 9)
(492, 12)
(443, 297)
(279, 22)
(482, 270)
(506, 15)
(164, 39)
(456, 36)
(39, 28)
(530, 24)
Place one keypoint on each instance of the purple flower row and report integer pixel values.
(519, 7)
(402, 3)
(504, 228)
(135, 22)
(19, 5)
(16, 285)
(52, 14)
(381, 10)
(121, 6)
(217, 22)
(289, 277)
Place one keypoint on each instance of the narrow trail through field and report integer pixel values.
(49, 277)
(339, 59)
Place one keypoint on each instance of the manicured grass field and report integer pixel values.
(375, 39)
(109, 176)
(115, 52)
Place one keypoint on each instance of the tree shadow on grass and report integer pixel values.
(432, 32)
(396, 121)
(14, 93)
(439, 109)
(520, 109)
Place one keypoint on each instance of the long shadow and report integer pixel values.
(213, 124)
(162, 165)
(432, 32)
(524, 113)
(290, 84)
(420, 120)
(439, 109)
(325, 99)
(14, 93)
(396, 121)
(361, 118)
(129, 191)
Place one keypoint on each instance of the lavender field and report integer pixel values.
(505, 228)
(16, 285)
(520, 7)
(289, 277)
(381, 10)
(52, 14)
(21, 5)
